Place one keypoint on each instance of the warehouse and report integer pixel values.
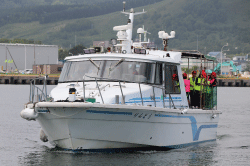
(24, 56)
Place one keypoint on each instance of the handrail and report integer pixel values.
(99, 90)
(163, 89)
(34, 90)
(123, 99)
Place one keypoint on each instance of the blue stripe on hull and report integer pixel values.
(191, 118)
(196, 137)
(195, 131)
(109, 112)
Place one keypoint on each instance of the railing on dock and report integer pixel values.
(37, 94)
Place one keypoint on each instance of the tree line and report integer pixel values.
(21, 41)
(63, 53)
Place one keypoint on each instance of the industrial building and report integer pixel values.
(24, 56)
(47, 69)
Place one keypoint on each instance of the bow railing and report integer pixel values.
(37, 94)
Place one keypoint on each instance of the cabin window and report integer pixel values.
(172, 85)
(116, 70)
(158, 74)
(134, 72)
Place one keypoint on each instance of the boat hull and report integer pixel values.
(80, 126)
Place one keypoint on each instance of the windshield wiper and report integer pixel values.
(98, 67)
(117, 64)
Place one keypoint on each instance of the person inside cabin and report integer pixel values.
(187, 86)
(192, 90)
(176, 84)
(135, 72)
(131, 70)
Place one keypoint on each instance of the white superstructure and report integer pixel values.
(121, 99)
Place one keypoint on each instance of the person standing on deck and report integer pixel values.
(192, 91)
(213, 83)
(198, 90)
(212, 79)
(204, 87)
(187, 86)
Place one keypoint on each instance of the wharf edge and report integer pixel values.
(53, 80)
(25, 79)
(233, 82)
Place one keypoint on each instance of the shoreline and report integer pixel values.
(53, 80)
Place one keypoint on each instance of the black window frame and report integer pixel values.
(171, 87)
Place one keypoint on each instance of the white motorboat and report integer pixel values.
(121, 99)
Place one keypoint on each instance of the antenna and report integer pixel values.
(165, 37)
(124, 6)
(124, 33)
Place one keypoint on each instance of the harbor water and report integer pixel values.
(20, 143)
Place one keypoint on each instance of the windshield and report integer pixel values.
(107, 69)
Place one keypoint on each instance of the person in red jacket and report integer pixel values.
(212, 79)
(212, 86)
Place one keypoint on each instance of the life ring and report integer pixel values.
(124, 51)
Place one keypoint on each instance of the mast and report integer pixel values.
(125, 32)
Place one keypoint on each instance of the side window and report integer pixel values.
(158, 74)
(172, 84)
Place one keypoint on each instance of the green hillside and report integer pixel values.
(6, 4)
(214, 23)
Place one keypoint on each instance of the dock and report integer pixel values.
(25, 79)
(233, 82)
(53, 80)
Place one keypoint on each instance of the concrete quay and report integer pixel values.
(233, 82)
(53, 80)
(25, 79)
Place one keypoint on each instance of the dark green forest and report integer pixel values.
(211, 23)
(53, 13)
(7, 4)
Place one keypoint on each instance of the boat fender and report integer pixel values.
(43, 136)
(29, 114)
(184, 111)
(214, 116)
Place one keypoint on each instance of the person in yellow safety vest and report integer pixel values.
(192, 91)
(205, 88)
(198, 90)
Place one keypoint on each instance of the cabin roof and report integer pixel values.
(155, 56)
